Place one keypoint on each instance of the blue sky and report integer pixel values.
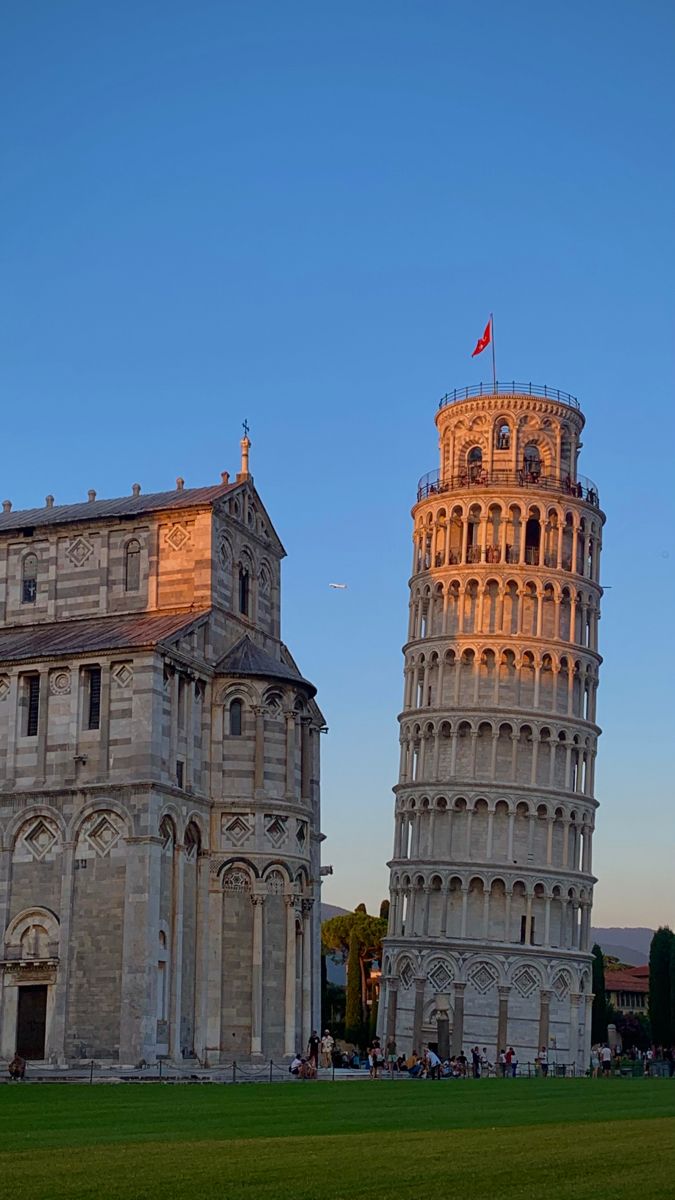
(302, 214)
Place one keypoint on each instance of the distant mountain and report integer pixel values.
(332, 910)
(628, 945)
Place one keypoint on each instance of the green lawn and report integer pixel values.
(512, 1139)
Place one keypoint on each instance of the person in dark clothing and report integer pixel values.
(313, 1049)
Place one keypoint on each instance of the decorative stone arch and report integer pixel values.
(33, 934)
(492, 975)
(104, 804)
(40, 827)
(196, 818)
(237, 690)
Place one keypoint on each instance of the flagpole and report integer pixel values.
(492, 339)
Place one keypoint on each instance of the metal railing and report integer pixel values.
(581, 488)
(508, 389)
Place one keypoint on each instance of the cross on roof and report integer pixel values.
(245, 427)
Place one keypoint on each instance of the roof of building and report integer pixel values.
(124, 506)
(32, 642)
(247, 659)
(628, 979)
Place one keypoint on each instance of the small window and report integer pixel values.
(243, 591)
(94, 698)
(180, 773)
(503, 437)
(33, 705)
(29, 579)
(475, 462)
(532, 462)
(132, 566)
(235, 718)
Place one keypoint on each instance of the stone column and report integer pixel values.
(259, 769)
(576, 1032)
(58, 1038)
(176, 960)
(392, 1004)
(503, 1020)
(43, 727)
(306, 970)
(544, 1018)
(257, 900)
(138, 1034)
(305, 759)
(289, 996)
(201, 954)
(458, 1022)
(213, 1003)
(290, 755)
(465, 910)
(418, 1017)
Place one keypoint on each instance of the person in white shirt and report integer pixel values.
(327, 1047)
(543, 1060)
(606, 1058)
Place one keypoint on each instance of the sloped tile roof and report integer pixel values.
(31, 642)
(245, 658)
(124, 506)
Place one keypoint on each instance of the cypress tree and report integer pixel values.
(353, 1012)
(599, 1013)
(661, 973)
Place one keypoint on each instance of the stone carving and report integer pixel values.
(79, 551)
(406, 973)
(275, 829)
(525, 981)
(102, 832)
(236, 880)
(561, 985)
(59, 683)
(483, 976)
(177, 537)
(40, 838)
(275, 883)
(123, 674)
(441, 976)
(236, 829)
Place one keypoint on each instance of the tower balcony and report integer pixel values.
(435, 484)
(509, 388)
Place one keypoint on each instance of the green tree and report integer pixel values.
(661, 976)
(357, 938)
(354, 1009)
(599, 1012)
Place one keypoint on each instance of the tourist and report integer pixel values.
(17, 1067)
(507, 1062)
(296, 1064)
(502, 1063)
(414, 1065)
(313, 1049)
(485, 1063)
(462, 1063)
(375, 1057)
(327, 1046)
(595, 1062)
(606, 1059)
(307, 1069)
(543, 1061)
(513, 1061)
(391, 1056)
(475, 1062)
(433, 1064)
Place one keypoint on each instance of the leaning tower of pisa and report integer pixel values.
(491, 875)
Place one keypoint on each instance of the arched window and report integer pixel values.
(236, 709)
(132, 566)
(503, 437)
(29, 579)
(475, 462)
(243, 591)
(532, 461)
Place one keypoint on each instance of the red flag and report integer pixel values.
(484, 340)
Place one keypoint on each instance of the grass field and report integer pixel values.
(511, 1139)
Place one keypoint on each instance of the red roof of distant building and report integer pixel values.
(628, 979)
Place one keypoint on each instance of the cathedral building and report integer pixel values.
(159, 784)
(491, 876)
